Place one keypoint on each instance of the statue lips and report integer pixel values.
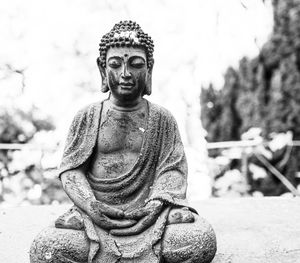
(126, 85)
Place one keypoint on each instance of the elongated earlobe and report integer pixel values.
(104, 84)
(148, 87)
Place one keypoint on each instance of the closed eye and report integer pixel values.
(137, 62)
(114, 63)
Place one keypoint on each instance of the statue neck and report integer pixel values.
(126, 105)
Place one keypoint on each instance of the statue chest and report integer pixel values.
(121, 131)
(119, 142)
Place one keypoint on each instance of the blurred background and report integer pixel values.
(227, 70)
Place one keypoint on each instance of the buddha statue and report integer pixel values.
(125, 170)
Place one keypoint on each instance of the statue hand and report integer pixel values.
(107, 223)
(180, 215)
(146, 215)
(151, 206)
(96, 206)
(100, 213)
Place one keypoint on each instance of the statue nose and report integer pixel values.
(126, 73)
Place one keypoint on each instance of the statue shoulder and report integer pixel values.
(162, 111)
(88, 110)
(88, 114)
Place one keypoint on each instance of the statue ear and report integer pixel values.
(104, 85)
(148, 88)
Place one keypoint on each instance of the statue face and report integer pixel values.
(126, 72)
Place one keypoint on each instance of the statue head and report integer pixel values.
(126, 39)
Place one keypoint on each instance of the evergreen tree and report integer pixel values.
(230, 121)
(211, 109)
(264, 91)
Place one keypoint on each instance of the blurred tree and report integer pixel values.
(211, 108)
(219, 115)
(19, 126)
(230, 121)
(264, 91)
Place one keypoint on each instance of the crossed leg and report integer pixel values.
(189, 242)
(55, 245)
(184, 242)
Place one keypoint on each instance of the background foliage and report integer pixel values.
(263, 91)
(27, 176)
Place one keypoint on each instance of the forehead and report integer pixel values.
(125, 51)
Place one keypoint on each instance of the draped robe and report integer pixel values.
(159, 173)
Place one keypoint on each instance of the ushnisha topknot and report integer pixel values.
(126, 34)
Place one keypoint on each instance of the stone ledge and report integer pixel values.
(248, 230)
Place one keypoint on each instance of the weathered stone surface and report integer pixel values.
(248, 230)
(125, 169)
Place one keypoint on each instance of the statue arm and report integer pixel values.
(79, 190)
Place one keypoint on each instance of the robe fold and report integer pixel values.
(160, 172)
